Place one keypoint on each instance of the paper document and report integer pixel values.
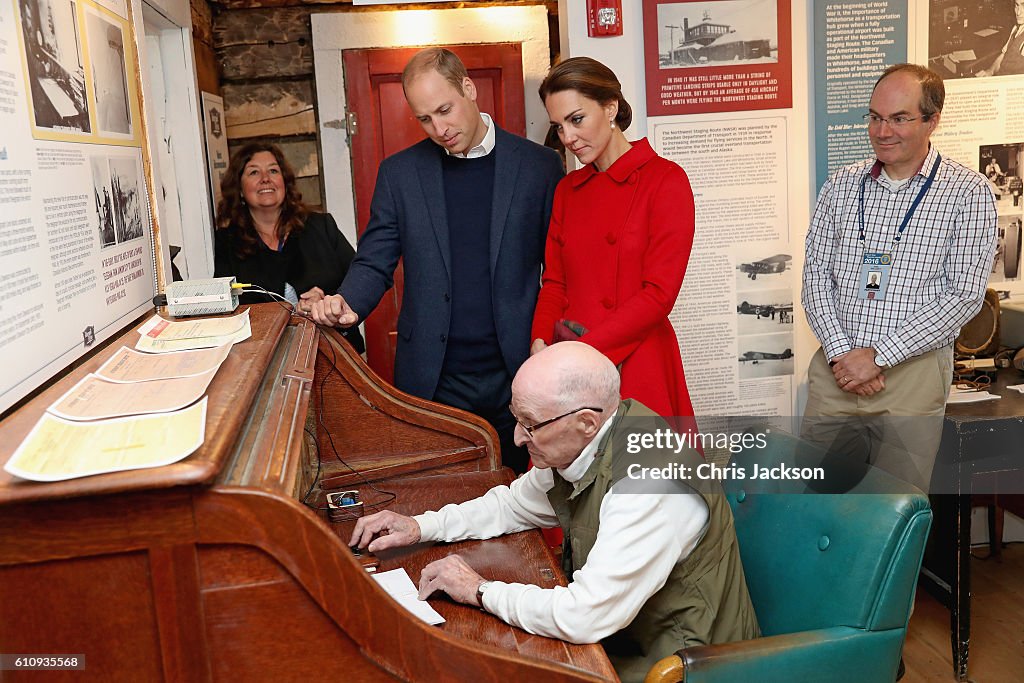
(131, 366)
(969, 396)
(59, 449)
(963, 55)
(398, 585)
(94, 398)
(150, 344)
(165, 330)
(986, 32)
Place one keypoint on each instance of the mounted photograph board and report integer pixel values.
(76, 230)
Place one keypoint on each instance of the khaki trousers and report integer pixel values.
(898, 429)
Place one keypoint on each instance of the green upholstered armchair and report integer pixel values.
(831, 576)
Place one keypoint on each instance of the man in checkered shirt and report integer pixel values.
(922, 227)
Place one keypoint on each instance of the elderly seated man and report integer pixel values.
(654, 566)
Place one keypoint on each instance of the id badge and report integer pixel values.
(874, 275)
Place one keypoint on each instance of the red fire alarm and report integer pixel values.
(604, 18)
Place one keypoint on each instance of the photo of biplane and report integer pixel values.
(784, 311)
(772, 265)
(756, 357)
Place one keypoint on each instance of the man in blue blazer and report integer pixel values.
(467, 210)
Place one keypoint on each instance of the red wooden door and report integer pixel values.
(373, 90)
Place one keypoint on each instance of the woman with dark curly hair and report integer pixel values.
(267, 237)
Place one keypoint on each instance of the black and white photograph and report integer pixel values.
(976, 39)
(757, 269)
(717, 33)
(56, 72)
(110, 83)
(764, 312)
(765, 355)
(124, 185)
(103, 201)
(1006, 262)
(1003, 165)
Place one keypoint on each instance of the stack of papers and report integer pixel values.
(133, 383)
(134, 411)
(161, 336)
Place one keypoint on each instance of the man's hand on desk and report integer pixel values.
(391, 529)
(453, 576)
(334, 310)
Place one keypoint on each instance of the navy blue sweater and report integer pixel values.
(468, 195)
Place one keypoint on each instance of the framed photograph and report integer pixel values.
(55, 66)
(717, 55)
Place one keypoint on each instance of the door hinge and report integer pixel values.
(350, 124)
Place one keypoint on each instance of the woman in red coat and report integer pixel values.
(620, 236)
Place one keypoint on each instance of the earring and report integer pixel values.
(612, 123)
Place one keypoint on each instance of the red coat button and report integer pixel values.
(607, 302)
(610, 237)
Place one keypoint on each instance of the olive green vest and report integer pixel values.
(705, 598)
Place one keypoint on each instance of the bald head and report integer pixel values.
(567, 375)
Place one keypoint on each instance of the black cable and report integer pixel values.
(316, 478)
(390, 497)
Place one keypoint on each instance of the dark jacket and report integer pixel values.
(408, 220)
(316, 256)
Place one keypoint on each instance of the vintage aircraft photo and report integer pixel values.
(779, 263)
(784, 311)
(756, 357)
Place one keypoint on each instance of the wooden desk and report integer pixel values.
(523, 557)
(980, 454)
(214, 569)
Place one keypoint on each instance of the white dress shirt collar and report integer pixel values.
(486, 145)
(578, 467)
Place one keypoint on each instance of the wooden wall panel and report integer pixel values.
(269, 109)
(111, 607)
(207, 65)
(300, 643)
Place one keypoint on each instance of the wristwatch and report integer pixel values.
(880, 362)
(484, 585)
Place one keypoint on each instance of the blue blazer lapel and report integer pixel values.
(432, 183)
(505, 173)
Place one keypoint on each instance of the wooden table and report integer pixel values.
(981, 453)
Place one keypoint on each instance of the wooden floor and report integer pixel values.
(997, 626)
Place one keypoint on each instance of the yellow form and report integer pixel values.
(58, 449)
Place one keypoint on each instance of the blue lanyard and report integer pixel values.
(910, 211)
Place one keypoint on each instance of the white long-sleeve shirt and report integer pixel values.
(642, 537)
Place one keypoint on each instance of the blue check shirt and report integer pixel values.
(940, 266)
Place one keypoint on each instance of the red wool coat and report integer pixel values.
(616, 254)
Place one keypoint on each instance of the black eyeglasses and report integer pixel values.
(532, 428)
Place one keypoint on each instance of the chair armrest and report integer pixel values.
(838, 655)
